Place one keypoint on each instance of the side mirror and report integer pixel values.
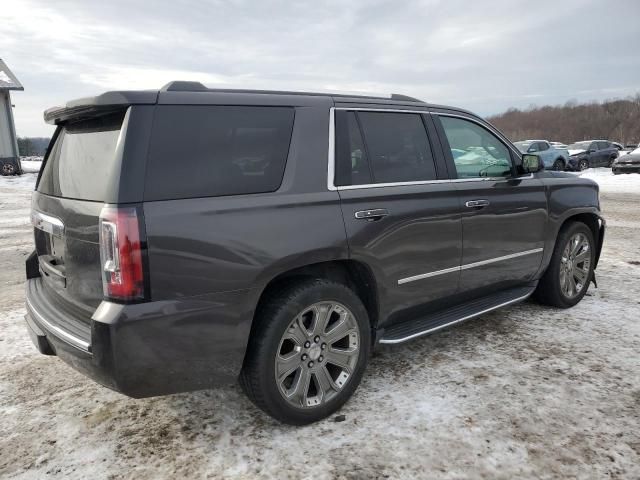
(532, 163)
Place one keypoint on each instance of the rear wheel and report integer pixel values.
(571, 267)
(583, 164)
(308, 351)
(8, 169)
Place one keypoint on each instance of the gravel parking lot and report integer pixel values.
(525, 392)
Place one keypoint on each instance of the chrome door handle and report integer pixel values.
(477, 203)
(371, 215)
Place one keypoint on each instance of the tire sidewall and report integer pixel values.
(280, 322)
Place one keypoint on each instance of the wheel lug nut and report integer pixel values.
(320, 358)
(307, 344)
(304, 357)
(323, 346)
(310, 364)
(317, 339)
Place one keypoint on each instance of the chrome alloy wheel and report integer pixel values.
(575, 265)
(317, 354)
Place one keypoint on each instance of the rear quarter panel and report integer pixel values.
(218, 244)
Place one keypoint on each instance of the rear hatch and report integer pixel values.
(80, 174)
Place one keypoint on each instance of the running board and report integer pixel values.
(407, 330)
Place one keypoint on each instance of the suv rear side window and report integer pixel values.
(204, 151)
(476, 151)
(395, 148)
(352, 163)
(83, 159)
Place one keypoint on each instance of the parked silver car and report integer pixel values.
(554, 158)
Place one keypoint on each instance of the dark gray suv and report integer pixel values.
(190, 236)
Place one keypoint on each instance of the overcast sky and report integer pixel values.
(486, 56)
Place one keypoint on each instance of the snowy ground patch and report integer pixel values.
(624, 183)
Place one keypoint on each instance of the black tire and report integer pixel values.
(558, 165)
(549, 291)
(583, 164)
(611, 160)
(275, 315)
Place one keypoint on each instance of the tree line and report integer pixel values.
(32, 146)
(615, 120)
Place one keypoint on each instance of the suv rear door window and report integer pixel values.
(83, 159)
(352, 162)
(398, 147)
(484, 155)
(603, 145)
(203, 151)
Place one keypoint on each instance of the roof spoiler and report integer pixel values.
(105, 103)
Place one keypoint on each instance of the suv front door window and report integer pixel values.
(484, 154)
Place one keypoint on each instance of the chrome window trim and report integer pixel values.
(388, 110)
(331, 170)
(467, 266)
(47, 223)
(58, 332)
(331, 156)
(453, 322)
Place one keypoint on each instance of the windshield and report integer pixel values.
(579, 146)
(523, 146)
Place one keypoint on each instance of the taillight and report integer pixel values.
(121, 254)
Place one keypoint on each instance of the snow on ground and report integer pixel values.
(30, 166)
(624, 183)
(525, 392)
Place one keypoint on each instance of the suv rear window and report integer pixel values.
(203, 151)
(82, 159)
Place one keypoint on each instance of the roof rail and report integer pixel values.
(406, 98)
(191, 86)
(184, 86)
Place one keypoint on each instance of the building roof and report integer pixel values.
(8, 80)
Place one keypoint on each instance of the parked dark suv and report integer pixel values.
(188, 236)
(591, 153)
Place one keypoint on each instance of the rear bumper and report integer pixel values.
(153, 348)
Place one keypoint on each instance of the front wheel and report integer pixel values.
(570, 269)
(558, 165)
(307, 352)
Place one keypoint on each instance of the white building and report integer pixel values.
(9, 156)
